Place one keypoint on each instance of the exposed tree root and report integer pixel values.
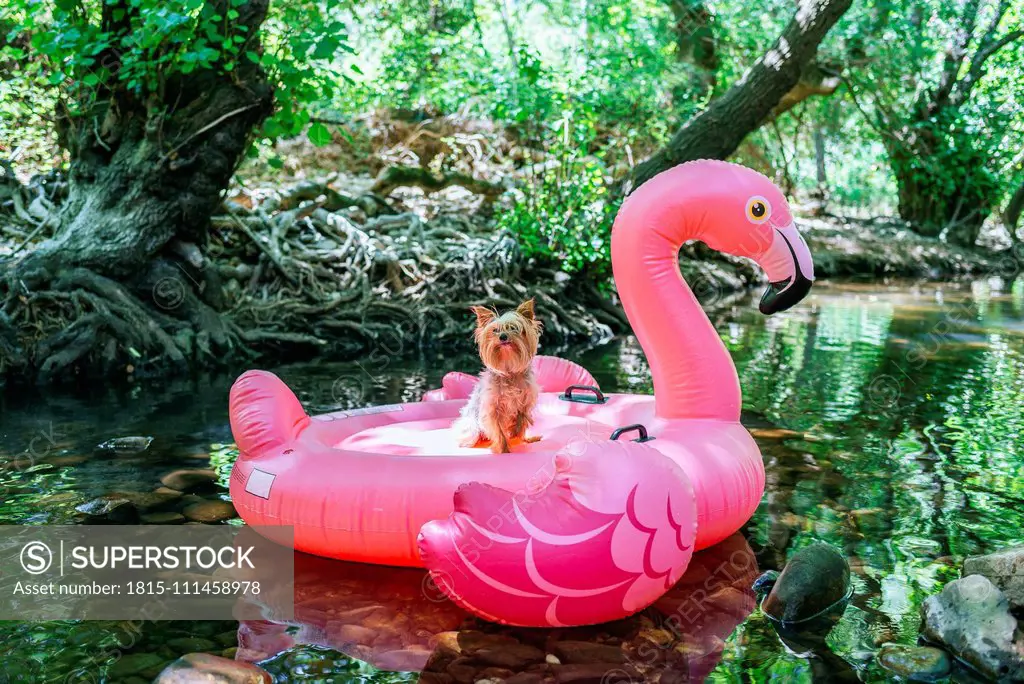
(305, 271)
(415, 176)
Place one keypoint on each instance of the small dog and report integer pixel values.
(499, 407)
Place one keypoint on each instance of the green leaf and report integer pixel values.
(275, 163)
(319, 135)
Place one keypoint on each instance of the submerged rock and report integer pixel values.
(1005, 569)
(126, 445)
(972, 618)
(162, 518)
(209, 511)
(188, 480)
(203, 667)
(110, 508)
(915, 663)
(144, 665)
(814, 584)
(147, 500)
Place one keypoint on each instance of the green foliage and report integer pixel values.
(91, 50)
(563, 217)
(614, 64)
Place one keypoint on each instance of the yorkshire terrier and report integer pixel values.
(498, 410)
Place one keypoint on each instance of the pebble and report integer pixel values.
(587, 652)
(111, 509)
(147, 500)
(916, 663)
(191, 644)
(162, 518)
(210, 511)
(188, 480)
(68, 460)
(594, 673)
(203, 667)
(136, 664)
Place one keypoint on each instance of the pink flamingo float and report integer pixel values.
(598, 519)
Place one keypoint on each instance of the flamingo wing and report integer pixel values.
(607, 533)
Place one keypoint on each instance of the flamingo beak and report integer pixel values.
(790, 271)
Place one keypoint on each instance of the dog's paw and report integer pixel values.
(471, 441)
(531, 440)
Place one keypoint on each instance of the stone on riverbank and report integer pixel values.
(972, 618)
(1005, 569)
(915, 663)
(203, 667)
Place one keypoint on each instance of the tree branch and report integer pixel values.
(956, 52)
(815, 79)
(977, 70)
(717, 131)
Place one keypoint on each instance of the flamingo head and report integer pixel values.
(752, 219)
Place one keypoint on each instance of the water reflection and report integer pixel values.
(396, 620)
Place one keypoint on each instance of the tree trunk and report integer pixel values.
(1011, 215)
(695, 41)
(943, 190)
(717, 131)
(942, 176)
(820, 193)
(144, 179)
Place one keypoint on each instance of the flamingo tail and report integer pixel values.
(264, 413)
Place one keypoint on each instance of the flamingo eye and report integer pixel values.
(759, 209)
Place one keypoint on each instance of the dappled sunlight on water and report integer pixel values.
(889, 419)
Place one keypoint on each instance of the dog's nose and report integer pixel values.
(503, 337)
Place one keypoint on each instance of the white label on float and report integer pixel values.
(259, 483)
(386, 408)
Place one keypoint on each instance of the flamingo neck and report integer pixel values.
(693, 374)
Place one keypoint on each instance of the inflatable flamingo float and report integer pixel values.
(598, 519)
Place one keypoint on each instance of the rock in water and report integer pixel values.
(126, 445)
(972, 618)
(203, 667)
(111, 509)
(209, 511)
(815, 582)
(915, 663)
(190, 480)
(1005, 569)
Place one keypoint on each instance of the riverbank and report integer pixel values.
(345, 267)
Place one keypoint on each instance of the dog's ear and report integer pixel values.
(526, 309)
(483, 315)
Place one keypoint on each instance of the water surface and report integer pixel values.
(891, 426)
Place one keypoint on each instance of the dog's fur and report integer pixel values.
(499, 408)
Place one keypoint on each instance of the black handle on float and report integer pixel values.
(629, 428)
(598, 397)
